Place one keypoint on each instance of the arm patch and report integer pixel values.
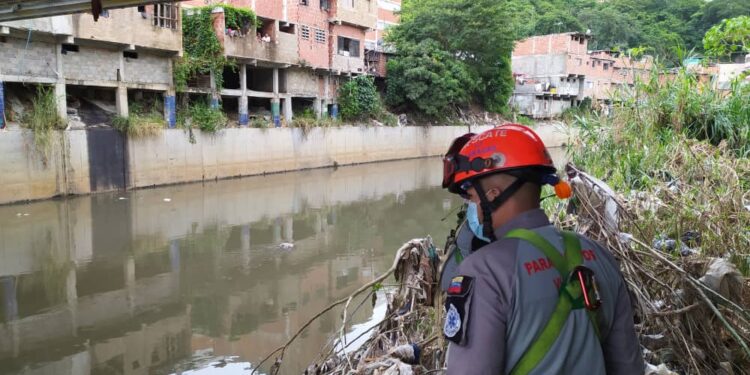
(457, 305)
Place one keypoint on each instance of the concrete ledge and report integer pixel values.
(170, 158)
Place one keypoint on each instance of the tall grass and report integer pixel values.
(42, 119)
(681, 101)
(677, 150)
(144, 120)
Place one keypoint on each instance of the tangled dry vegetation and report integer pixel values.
(676, 210)
(690, 310)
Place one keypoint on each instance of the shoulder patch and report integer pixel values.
(457, 308)
(455, 287)
(452, 322)
(460, 285)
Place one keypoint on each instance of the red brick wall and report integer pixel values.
(239, 3)
(315, 53)
(387, 15)
(380, 68)
(219, 25)
(270, 8)
(383, 15)
(192, 3)
(551, 44)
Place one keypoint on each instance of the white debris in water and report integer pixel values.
(286, 246)
(26, 214)
(122, 198)
(167, 199)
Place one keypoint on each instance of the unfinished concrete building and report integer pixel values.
(291, 61)
(557, 71)
(128, 52)
(294, 59)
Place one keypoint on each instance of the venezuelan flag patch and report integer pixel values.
(456, 283)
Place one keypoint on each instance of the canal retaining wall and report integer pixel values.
(87, 161)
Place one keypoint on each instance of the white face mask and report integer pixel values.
(472, 218)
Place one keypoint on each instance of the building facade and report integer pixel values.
(295, 59)
(557, 71)
(292, 60)
(127, 52)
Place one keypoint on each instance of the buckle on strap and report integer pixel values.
(586, 278)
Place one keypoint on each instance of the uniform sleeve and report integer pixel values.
(484, 350)
(622, 352)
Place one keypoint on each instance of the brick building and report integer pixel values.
(557, 71)
(127, 52)
(295, 59)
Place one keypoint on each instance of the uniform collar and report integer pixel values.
(530, 219)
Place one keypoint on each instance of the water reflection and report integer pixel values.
(191, 277)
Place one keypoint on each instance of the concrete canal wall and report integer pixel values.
(87, 161)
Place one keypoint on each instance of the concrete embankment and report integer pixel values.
(95, 160)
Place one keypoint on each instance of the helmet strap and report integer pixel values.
(489, 207)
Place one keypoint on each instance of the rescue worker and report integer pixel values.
(535, 300)
(461, 241)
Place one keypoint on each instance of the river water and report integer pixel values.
(206, 278)
(192, 278)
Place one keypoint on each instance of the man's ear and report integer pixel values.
(493, 193)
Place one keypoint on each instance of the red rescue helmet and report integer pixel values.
(506, 148)
(511, 149)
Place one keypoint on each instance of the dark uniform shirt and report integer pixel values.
(515, 291)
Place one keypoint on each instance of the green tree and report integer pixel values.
(666, 26)
(717, 10)
(610, 28)
(429, 79)
(728, 37)
(466, 37)
(358, 98)
(556, 20)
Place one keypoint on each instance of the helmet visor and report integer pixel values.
(449, 160)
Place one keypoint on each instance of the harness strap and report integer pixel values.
(569, 299)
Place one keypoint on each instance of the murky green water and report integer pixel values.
(192, 279)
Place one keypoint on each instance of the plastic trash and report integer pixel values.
(603, 197)
(167, 199)
(408, 353)
(722, 277)
(662, 369)
(668, 245)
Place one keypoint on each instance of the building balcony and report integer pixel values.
(150, 29)
(152, 26)
(282, 48)
(356, 13)
(347, 64)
